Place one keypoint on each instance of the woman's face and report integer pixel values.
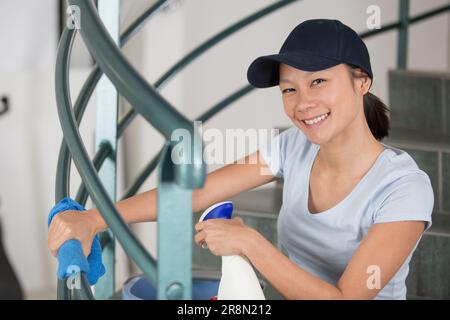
(323, 103)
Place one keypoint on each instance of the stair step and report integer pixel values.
(417, 139)
(431, 151)
(429, 276)
(420, 100)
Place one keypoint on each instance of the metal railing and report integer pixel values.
(175, 180)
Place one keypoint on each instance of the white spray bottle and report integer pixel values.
(239, 281)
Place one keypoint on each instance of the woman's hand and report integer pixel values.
(223, 237)
(72, 224)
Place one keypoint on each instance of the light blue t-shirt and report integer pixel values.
(394, 189)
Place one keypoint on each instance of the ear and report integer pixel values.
(364, 84)
(361, 80)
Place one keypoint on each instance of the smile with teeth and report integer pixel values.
(316, 119)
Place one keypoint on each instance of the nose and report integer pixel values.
(303, 105)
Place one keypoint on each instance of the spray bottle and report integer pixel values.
(239, 281)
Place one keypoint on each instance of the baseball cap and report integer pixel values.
(313, 45)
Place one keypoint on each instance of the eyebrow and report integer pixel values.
(290, 81)
(285, 80)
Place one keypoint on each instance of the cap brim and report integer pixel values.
(263, 72)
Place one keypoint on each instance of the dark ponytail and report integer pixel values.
(376, 112)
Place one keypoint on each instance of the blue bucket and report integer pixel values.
(205, 286)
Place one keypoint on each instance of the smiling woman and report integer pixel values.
(351, 204)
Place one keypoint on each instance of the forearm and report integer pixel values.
(143, 207)
(139, 208)
(289, 279)
(220, 185)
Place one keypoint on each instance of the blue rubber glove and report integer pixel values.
(70, 254)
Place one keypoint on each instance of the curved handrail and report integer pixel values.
(148, 169)
(104, 151)
(190, 171)
(63, 166)
(87, 89)
(96, 73)
(134, 248)
(62, 185)
(212, 41)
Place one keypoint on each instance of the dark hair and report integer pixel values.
(376, 112)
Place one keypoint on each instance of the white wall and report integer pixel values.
(27, 134)
(30, 142)
(30, 137)
(30, 134)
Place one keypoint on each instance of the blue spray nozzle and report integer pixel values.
(221, 210)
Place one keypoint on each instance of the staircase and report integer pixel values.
(420, 113)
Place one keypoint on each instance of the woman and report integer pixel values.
(353, 208)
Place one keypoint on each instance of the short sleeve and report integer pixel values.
(273, 152)
(410, 198)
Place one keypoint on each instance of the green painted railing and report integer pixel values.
(88, 173)
(177, 181)
(93, 78)
(177, 178)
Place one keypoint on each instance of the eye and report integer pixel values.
(287, 90)
(317, 81)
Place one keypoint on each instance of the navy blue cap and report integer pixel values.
(313, 45)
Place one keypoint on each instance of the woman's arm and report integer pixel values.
(220, 185)
(381, 254)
